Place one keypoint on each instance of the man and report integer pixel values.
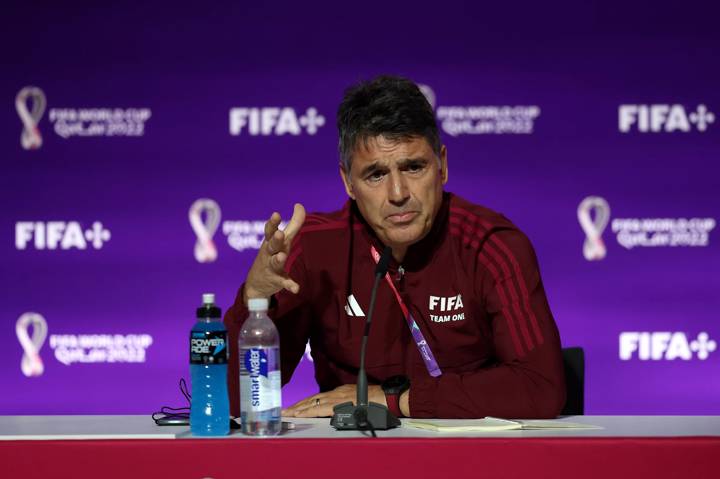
(461, 326)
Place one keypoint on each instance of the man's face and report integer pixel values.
(397, 185)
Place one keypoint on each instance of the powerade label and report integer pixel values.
(259, 379)
(208, 347)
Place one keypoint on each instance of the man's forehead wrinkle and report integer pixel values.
(381, 142)
(379, 152)
(389, 145)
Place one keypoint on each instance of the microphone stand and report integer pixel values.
(365, 415)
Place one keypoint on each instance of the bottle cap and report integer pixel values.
(208, 309)
(258, 304)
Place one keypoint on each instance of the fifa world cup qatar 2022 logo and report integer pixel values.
(593, 226)
(31, 364)
(30, 138)
(204, 216)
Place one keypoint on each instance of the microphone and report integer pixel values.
(364, 416)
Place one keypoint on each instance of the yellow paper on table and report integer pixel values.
(489, 424)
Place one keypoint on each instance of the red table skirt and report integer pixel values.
(525, 458)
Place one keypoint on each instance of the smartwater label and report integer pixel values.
(208, 347)
(259, 379)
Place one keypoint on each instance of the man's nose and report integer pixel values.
(399, 192)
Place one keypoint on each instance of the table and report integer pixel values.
(133, 446)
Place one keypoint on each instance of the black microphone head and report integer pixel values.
(384, 262)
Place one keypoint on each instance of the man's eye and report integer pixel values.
(415, 167)
(375, 177)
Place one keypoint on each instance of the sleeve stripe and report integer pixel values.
(516, 303)
(314, 219)
(324, 226)
(313, 223)
(511, 319)
(500, 288)
(524, 301)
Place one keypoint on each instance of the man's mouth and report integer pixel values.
(402, 218)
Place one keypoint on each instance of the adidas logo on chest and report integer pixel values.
(352, 308)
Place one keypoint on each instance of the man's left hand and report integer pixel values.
(321, 404)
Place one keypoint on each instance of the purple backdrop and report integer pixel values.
(148, 109)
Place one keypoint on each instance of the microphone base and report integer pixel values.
(348, 417)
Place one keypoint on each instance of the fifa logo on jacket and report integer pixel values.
(444, 304)
(452, 303)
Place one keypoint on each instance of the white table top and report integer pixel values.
(142, 427)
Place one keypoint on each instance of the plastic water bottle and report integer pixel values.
(209, 408)
(259, 347)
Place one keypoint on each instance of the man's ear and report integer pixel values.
(346, 182)
(443, 164)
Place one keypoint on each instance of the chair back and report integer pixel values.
(574, 362)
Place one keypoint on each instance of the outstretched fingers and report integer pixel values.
(291, 286)
(297, 220)
(272, 225)
(276, 243)
(267, 275)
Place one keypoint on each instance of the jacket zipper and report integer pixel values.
(399, 279)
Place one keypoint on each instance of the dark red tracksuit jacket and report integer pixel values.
(499, 352)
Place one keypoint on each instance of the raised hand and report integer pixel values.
(267, 275)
